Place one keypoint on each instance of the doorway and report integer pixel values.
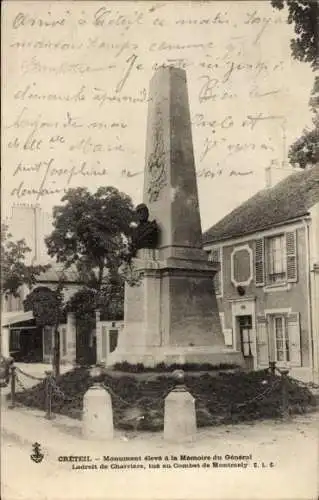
(246, 341)
(26, 344)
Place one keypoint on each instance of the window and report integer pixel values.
(280, 327)
(113, 336)
(276, 259)
(215, 256)
(14, 340)
(278, 337)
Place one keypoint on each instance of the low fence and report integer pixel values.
(52, 390)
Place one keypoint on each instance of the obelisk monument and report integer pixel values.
(172, 316)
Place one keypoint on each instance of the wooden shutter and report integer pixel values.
(293, 324)
(228, 336)
(215, 256)
(227, 332)
(291, 255)
(259, 262)
(262, 341)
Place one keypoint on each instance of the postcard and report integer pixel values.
(160, 250)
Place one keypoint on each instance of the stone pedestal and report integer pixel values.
(172, 316)
(179, 416)
(97, 419)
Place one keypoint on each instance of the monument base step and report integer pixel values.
(213, 356)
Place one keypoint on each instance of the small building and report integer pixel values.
(268, 284)
(22, 338)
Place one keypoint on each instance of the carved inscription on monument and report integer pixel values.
(157, 175)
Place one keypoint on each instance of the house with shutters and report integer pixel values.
(267, 285)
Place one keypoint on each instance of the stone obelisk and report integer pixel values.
(173, 315)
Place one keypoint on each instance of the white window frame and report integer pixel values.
(270, 314)
(285, 338)
(283, 281)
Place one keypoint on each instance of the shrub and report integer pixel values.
(139, 404)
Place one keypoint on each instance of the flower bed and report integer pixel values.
(138, 403)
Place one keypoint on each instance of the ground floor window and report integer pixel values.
(280, 330)
(279, 338)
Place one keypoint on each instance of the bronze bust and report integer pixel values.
(145, 234)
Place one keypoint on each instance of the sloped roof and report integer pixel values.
(56, 271)
(287, 200)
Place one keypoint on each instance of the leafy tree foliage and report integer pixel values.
(92, 233)
(14, 271)
(109, 300)
(47, 307)
(305, 151)
(304, 14)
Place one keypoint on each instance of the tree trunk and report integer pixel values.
(100, 278)
(56, 352)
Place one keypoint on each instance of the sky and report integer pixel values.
(75, 90)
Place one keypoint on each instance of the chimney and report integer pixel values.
(276, 173)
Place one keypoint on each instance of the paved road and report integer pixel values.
(21, 478)
(294, 474)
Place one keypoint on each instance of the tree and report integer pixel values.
(47, 307)
(109, 300)
(14, 271)
(305, 150)
(92, 233)
(304, 14)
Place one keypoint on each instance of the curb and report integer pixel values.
(48, 447)
(5, 433)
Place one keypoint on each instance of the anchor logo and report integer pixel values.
(37, 456)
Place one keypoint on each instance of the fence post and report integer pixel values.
(13, 385)
(48, 394)
(285, 402)
(97, 416)
(179, 412)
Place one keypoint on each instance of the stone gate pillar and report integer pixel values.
(71, 338)
(5, 339)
